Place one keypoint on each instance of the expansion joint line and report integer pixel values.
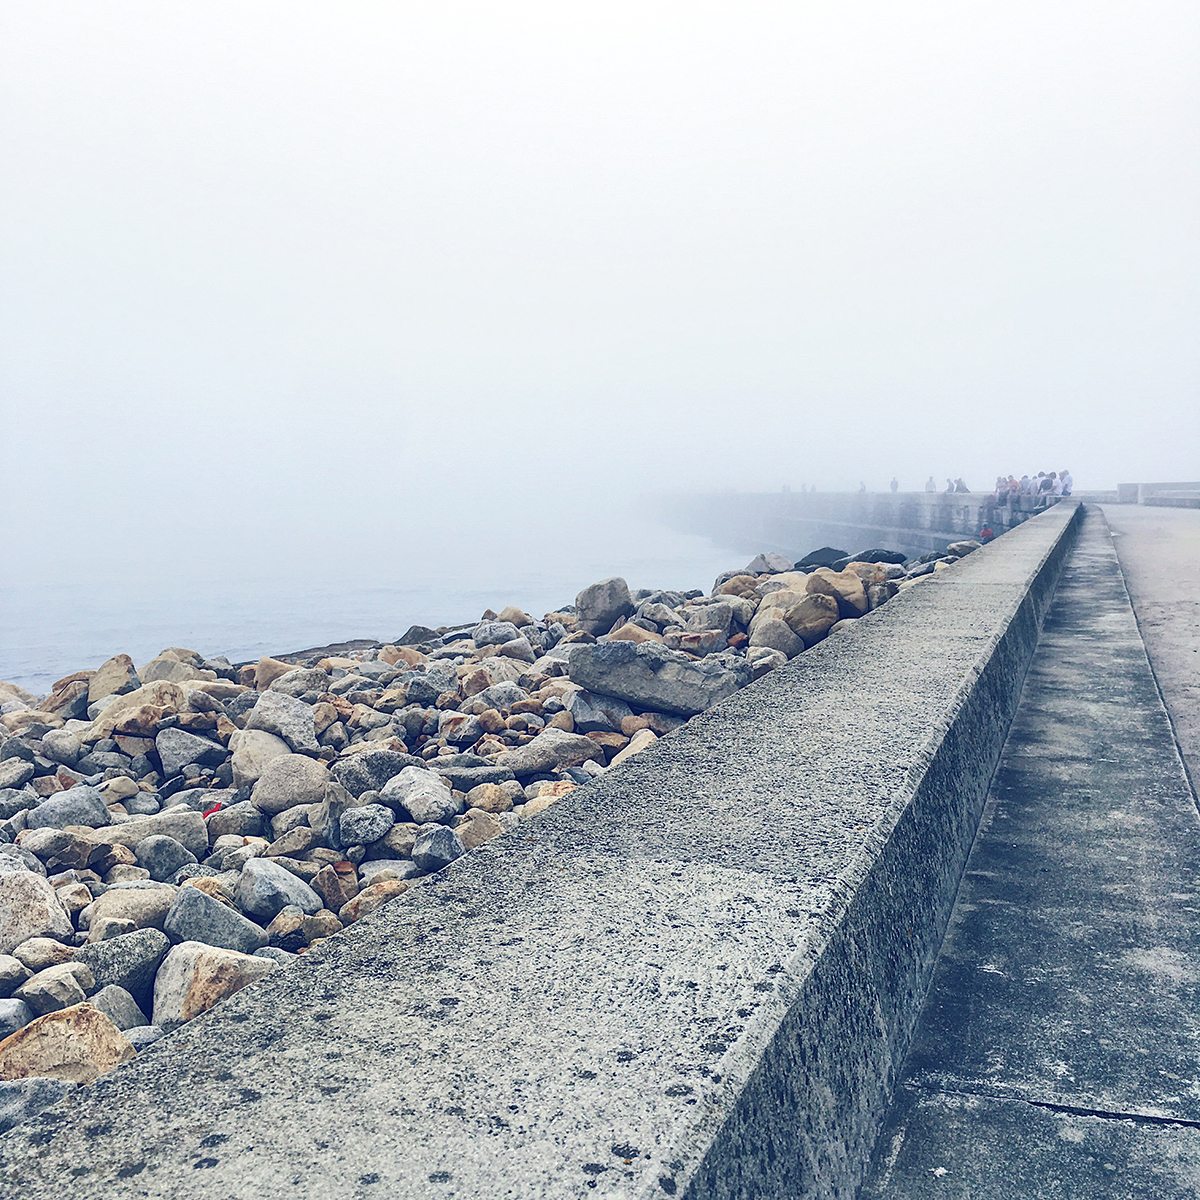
(1073, 1110)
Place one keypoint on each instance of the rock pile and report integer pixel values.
(171, 833)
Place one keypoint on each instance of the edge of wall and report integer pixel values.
(698, 976)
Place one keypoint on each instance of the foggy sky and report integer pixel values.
(286, 279)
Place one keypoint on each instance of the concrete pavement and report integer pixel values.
(1159, 550)
(1058, 1052)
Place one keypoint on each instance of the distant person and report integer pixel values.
(959, 486)
(1045, 484)
(930, 484)
(895, 484)
(1026, 485)
(1056, 490)
(862, 488)
(949, 486)
(1067, 482)
(986, 534)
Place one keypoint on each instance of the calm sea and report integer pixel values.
(50, 630)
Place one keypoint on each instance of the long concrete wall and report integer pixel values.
(696, 977)
(794, 523)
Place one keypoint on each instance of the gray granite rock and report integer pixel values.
(14, 1014)
(162, 856)
(82, 805)
(596, 714)
(494, 633)
(370, 770)
(365, 824)
(13, 973)
(265, 887)
(436, 847)
(650, 676)
(15, 772)
(422, 795)
(198, 917)
(141, 1036)
(288, 781)
(599, 606)
(30, 907)
(56, 988)
(184, 825)
(276, 954)
(286, 718)
(244, 819)
(118, 1006)
(178, 749)
(130, 961)
(550, 750)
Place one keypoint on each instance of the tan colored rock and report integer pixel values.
(844, 586)
(64, 695)
(14, 691)
(194, 977)
(490, 798)
(637, 743)
(479, 827)
(210, 887)
(56, 987)
(369, 899)
(115, 677)
(813, 617)
(253, 750)
(562, 720)
(147, 908)
(38, 953)
(173, 670)
(78, 1044)
(633, 633)
(267, 670)
(775, 633)
(516, 615)
(869, 572)
(336, 891)
(18, 722)
(490, 720)
(168, 696)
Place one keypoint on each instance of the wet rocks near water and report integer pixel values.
(171, 834)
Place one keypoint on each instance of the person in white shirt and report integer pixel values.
(1066, 481)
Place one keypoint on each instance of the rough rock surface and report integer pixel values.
(76, 1044)
(194, 977)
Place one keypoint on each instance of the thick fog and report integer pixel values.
(456, 285)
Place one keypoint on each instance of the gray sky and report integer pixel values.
(285, 276)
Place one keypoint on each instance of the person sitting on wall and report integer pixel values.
(986, 534)
(1067, 482)
(862, 488)
(949, 486)
(959, 486)
(930, 485)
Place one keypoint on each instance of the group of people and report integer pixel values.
(952, 485)
(1044, 485)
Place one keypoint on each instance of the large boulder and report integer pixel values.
(183, 824)
(194, 977)
(178, 749)
(813, 617)
(29, 908)
(253, 751)
(768, 563)
(77, 1044)
(422, 795)
(599, 606)
(198, 917)
(845, 587)
(128, 961)
(146, 906)
(285, 717)
(594, 713)
(370, 770)
(552, 749)
(113, 678)
(289, 780)
(653, 677)
(81, 805)
(163, 697)
(365, 824)
(774, 633)
(265, 887)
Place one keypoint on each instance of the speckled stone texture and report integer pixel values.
(694, 976)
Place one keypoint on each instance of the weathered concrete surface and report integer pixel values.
(1159, 550)
(1061, 1034)
(695, 977)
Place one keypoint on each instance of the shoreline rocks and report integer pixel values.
(171, 833)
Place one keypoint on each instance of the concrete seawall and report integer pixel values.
(794, 523)
(697, 976)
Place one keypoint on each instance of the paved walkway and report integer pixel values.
(1058, 1053)
(1159, 549)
